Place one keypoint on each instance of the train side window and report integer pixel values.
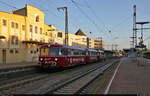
(75, 53)
(69, 52)
(89, 53)
(84, 53)
(31, 51)
(60, 51)
(44, 50)
(64, 51)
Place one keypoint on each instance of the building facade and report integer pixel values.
(21, 34)
(99, 44)
(24, 31)
(91, 43)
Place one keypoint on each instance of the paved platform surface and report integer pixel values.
(132, 77)
(15, 65)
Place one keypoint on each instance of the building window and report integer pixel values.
(50, 34)
(23, 27)
(37, 50)
(4, 22)
(12, 25)
(83, 39)
(37, 18)
(41, 31)
(11, 51)
(16, 25)
(31, 30)
(36, 40)
(59, 34)
(16, 51)
(46, 34)
(36, 29)
(44, 50)
(14, 40)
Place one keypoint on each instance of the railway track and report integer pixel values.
(13, 75)
(75, 84)
(44, 83)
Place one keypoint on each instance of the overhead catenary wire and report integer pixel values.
(8, 5)
(49, 11)
(91, 20)
(91, 9)
(43, 8)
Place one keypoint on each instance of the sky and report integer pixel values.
(110, 19)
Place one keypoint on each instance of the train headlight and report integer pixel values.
(56, 59)
(41, 59)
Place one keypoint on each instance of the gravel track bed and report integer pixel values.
(50, 79)
(75, 86)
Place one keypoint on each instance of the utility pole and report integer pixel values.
(142, 23)
(112, 47)
(66, 23)
(101, 43)
(87, 39)
(116, 45)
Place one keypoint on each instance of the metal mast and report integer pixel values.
(134, 42)
(66, 23)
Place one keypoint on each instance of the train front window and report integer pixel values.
(44, 51)
(55, 52)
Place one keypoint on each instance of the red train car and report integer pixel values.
(56, 55)
(100, 55)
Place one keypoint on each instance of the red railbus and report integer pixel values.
(56, 55)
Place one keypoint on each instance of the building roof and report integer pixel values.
(80, 32)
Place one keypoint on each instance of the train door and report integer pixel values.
(4, 56)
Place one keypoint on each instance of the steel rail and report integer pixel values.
(51, 89)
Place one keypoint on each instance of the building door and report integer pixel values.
(4, 56)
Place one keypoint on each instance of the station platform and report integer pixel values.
(132, 77)
(18, 65)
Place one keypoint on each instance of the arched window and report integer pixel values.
(37, 18)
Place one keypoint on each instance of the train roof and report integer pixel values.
(100, 50)
(61, 46)
(70, 47)
(91, 49)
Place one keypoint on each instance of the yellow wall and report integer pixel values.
(59, 40)
(99, 44)
(91, 43)
(25, 50)
(49, 30)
